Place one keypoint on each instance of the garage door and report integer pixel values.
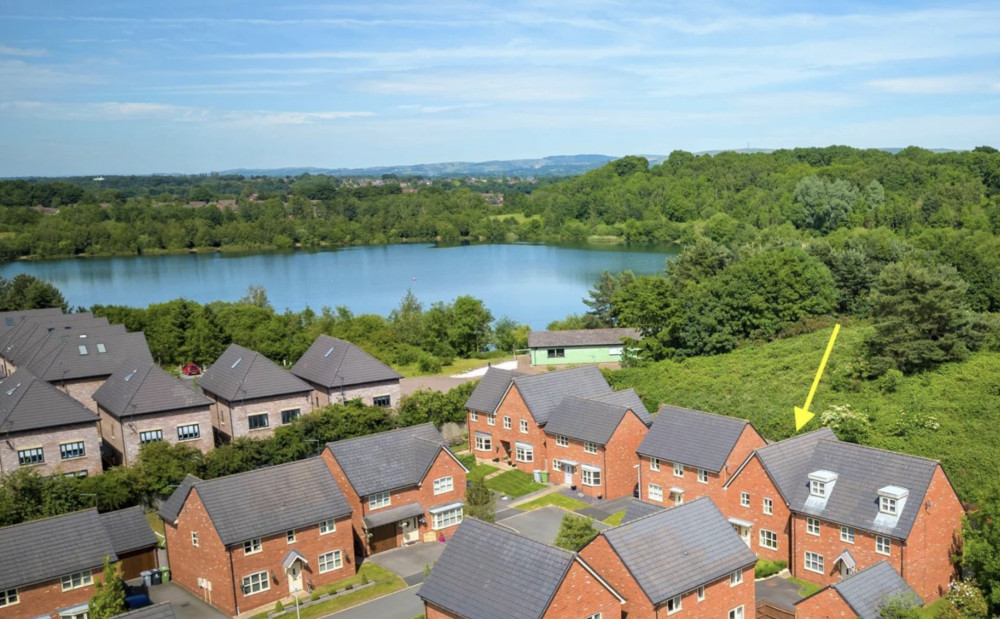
(383, 538)
(134, 564)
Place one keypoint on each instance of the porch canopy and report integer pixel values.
(388, 516)
(293, 556)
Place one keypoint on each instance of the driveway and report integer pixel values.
(409, 561)
(778, 591)
(399, 605)
(186, 605)
(541, 524)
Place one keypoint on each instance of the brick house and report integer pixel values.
(835, 508)
(862, 594)
(685, 561)
(689, 454)
(245, 541)
(48, 567)
(339, 371)
(592, 441)
(140, 403)
(251, 395)
(404, 486)
(487, 571)
(507, 411)
(44, 429)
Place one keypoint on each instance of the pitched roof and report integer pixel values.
(157, 611)
(786, 461)
(581, 337)
(586, 419)
(519, 579)
(269, 500)
(128, 530)
(333, 362)
(693, 438)
(637, 508)
(677, 550)
(41, 550)
(27, 403)
(138, 388)
(388, 460)
(241, 373)
(543, 392)
(627, 398)
(867, 591)
(9, 320)
(488, 394)
(90, 357)
(171, 508)
(19, 344)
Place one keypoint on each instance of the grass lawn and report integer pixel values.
(615, 519)
(557, 499)
(373, 572)
(155, 522)
(806, 588)
(457, 367)
(480, 471)
(930, 612)
(513, 483)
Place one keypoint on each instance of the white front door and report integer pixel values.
(411, 533)
(568, 470)
(744, 533)
(295, 577)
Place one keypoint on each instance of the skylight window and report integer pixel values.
(235, 363)
(101, 348)
(328, 353)
(129, 376)
(82, 348)
(13, 389)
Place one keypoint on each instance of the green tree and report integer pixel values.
(900, 607)
(508, 335)
(26, 292)
(480, 502)
(256, 296)
(109, 594)
(981, 545)
(575, 531)
(407, 320)
(469, 332)
(163, 465)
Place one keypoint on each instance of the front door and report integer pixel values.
(568, 470)
(295, 577)
(411, 533)
(844, 570)
(744, 533)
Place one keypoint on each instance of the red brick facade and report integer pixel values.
(616, 460)
(511, 412)
(754, 482)
(44, 599)
(934, 538)
(215, 573)
(444, 465)
(827, 604)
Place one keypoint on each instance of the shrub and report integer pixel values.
(467, 460)
(429, 364)
(765, 568)
(315, 595)
(349, 587)
(364, 579)
(279, 607)
(889, 382)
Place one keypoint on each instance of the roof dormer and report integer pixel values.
(821, 483)
(891, 499)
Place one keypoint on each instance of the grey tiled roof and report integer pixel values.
(489, 572)
(490, 390)
(241, 373)
(36, 327)
(334, 363)
(138, 388)
(627, 398)
(172, 507)
(543, 392)
(693, 438)
(27, 403)
(157, 611)
(638, 508)
(10, 320)
(65, 362)
(677, 550)
(581, 337)
(585, 419)
(41, 550)
(394, 514)
(867, 591)
(271, 500)
(128, 530)
(787, 461)
(388, 460)
(37, 337)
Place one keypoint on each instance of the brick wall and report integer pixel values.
(755, 481)
(46, 598)
(124, 437)
(616, 460)
(605, 561)
(829, 545)
(49, 441)
(322, 396)
(582, 595)
(236, 412)
(82, 390)
(827, 604)
(512, 406)
(935, 536)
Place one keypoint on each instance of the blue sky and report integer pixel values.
(132, 86)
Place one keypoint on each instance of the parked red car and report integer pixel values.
(191, 369)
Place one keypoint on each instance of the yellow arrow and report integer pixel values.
(802, 415)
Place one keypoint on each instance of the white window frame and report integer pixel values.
(594, 616)
(290, 536)
(888, 505)
(473, 416)
(327, 526)
(847, 534)
(735, 578)
(379, 500)
(187, 430)
(522, 426)
(561, 441)
(812, 526)
(556, 464)
(701, 593)
(768, 539)
(736, 613)
(76, 580)
(524, 452)
(815, 561)
(590, 476)
(674, 605)
(252, 546)
(654, 492)
(745, 499)
(151, 436)
(194, 539)
(702, 476)
(262, 580)
(265, 416)
(883, 545)
(444, 484)
(817, 488)
(491, 419)
(654, 464)
(484, 443)
(447, 518)
(768, 507)
(506, 422)
(330, 561)
(678, 469)
(589, 448)
(9, 597)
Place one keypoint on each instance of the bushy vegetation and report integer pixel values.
(575, 531)
(765, 568)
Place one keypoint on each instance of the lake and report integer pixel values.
(534, 284)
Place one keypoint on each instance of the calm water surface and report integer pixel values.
(534, 284)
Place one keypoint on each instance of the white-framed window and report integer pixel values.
(590, 448)
(523, 426)
(327, 526)
(289, 537)
(506, 422)
(812, 526)
(883, 545)
(30, 456)
(491, 419)
(673, 605)
(290, 415)
(654, 464)
(817, 488)
(562, 441)
(443, 484)
(194, 539)
(379, 500)
(768, 507)
(745, 499)
(384, 401)
(768, 539)
(447, 518)
(76, 580)
(255, 583)
(887, 505)
(847, 535)
(8, 597)
(594, 616)
(258, 421)
(150, 436)
(330, 561)
(814, 562)
(654, 492)
(188, 432)
(68, 451)
(473, 416)
(590, 476)
(524, 452)
(735, 578)
(484, 443)
(556, 465)
(678, 469)
(736, 613)
(702, 476)
(251, 546)
(701, 593)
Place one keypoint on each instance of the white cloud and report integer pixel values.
(7, 50)
(939, 85)
(127, 111)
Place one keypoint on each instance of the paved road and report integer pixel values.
(186, 605)
(399, 605)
